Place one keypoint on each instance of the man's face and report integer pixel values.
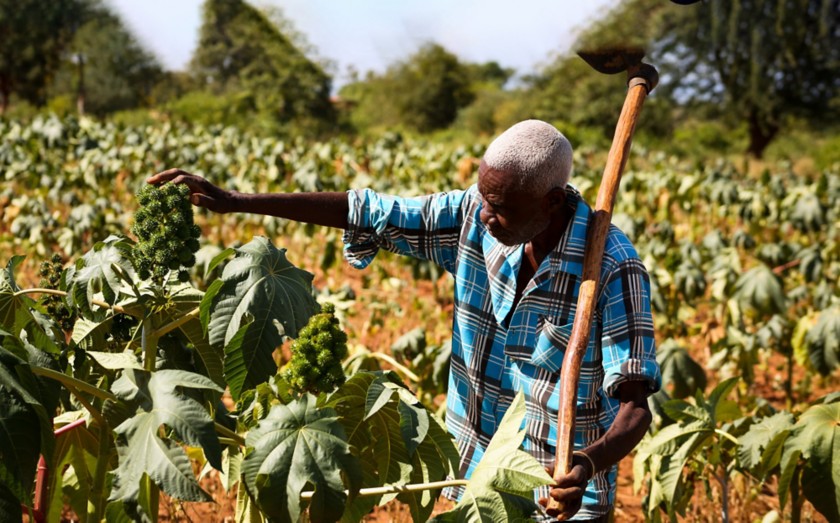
(511, 215)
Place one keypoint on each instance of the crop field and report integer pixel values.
(154, 378)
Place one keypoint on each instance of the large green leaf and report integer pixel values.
(260, 285)
(823, 341)
(186, 299)
(761, 290)
(760, 449)
(17, 379)
(298, 445)
(142, 450)
(20, 445)
(684, 375)
(816, 437)
(76, 455)
(396, 439)
(10, 509)
(97, 272)
(502, 485)
(375, 435)
(10, 304)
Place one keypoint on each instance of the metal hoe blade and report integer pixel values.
(612, 61)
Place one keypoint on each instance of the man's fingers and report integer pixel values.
(567, 495)
(164, 176)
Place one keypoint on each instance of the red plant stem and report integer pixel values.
(41, 479)
(69, 427)
(42, 476)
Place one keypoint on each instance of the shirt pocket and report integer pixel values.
(550, 344)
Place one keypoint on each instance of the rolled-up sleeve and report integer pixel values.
(426, 227)
(628, 345)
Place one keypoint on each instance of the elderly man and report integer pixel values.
(514, 244)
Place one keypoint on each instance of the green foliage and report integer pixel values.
(823, 341)
(760, 448)
(244, 52)
(317, 354)
(502, 484)
(698, 439)
(100, 273)
(761, 291)
(167, 237)
(398, 441)
(772, 59)
(35, 32)
(260, 298)
(424, 92)
(53, 277)
(105, 69)
(294, 446)
(154, 399)
(680, 372)
(813, 439)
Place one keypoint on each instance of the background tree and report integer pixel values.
(104, 66)
(243, 51)
(424, 92)
(751, 62)
(33, 34)
(773, 59)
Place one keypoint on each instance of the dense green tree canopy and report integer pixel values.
(756, 62)
(424, 92)
(105, 67)
(771, 58)
(33, 34)
(241, 50)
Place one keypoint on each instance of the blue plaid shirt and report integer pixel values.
(496, 351)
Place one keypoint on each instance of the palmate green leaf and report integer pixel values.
(368, 412)
(669, 476)
(502, 485)
(760, 449)
(76, 454)
(816, 438)
(823, 341)
(158, 402)
(298, 445)
(20, 445)
(40, 399)
(684, 375)
(185, 299)
(98, 272)
(761, 290)
(396, 439)
(10, 305)
(260, 283)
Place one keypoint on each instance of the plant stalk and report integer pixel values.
(171, 326)
(71, 382)
(94, 412)
(229, 434)
(397, 365)
(95, 507)
(148, 341)
(724, 496)
(379, 491)
(56, 292)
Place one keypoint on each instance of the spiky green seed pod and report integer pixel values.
(167, 236)
(317, 353)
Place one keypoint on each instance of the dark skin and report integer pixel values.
(512, 214)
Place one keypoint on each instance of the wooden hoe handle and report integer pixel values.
(643, 79)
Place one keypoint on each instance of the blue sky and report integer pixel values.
(371, 34)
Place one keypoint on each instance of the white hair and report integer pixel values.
(535, 152)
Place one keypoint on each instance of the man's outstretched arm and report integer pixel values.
(628, 429)
(319, 208)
